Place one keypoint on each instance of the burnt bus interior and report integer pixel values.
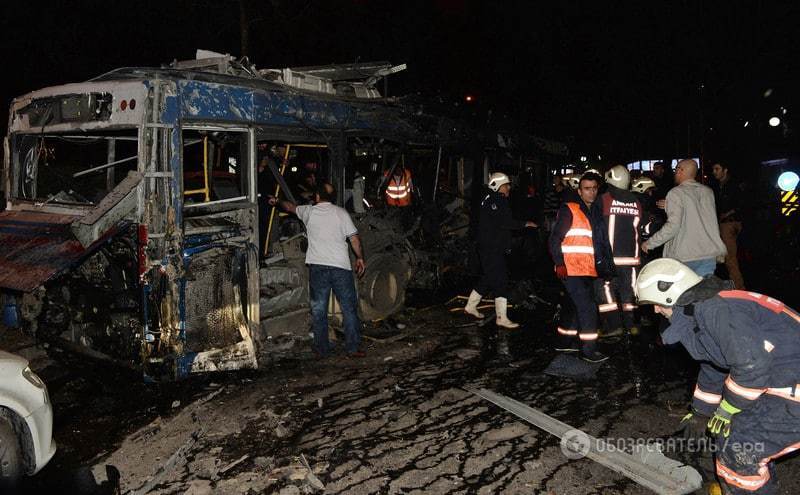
(96, 306)
(78, 169)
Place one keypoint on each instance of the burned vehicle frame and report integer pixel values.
(132, 221)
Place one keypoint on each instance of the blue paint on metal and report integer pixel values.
(188, 253)
(171, 115)
(236, 104)
(182, 310)
(175, 164)
(145, 312)
(183, 364)
(10, 313)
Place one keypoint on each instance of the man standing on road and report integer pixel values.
(581, 254)
(729, 194)
(748, 389)
(691, 234)
(329, 227)
(494, 241)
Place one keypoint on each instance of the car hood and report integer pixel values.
(12, 360)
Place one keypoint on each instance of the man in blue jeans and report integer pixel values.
(691, 234)
(329, 228)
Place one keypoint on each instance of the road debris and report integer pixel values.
(647, 466)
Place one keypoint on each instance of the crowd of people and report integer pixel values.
(603, 239)
(616, 244)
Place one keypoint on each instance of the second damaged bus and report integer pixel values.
(131, 228)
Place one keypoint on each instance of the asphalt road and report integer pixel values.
(398, 421)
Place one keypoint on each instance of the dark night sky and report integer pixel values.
(621, 79)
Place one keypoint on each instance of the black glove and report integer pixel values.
(694, 425)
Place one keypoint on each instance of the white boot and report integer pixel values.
(501, 307)
(472, 305)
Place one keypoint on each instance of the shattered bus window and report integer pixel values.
(70, 168)
(214, 162)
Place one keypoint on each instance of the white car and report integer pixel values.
(26, 420)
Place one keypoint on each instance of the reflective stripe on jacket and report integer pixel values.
(623, 213)
(398, 193)
(752, 341)
(577, 246)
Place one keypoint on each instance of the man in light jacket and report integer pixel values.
(691, 234)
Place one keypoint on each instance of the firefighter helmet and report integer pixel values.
(618, 176)
(593, 171)
(572, 180)
(497, 179)
(663, 281)
(642, 184)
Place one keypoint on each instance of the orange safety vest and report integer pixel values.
(399, 193)
(577, 246)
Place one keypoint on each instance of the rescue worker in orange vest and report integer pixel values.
(749, 381)
(494, 242)
(399, 188)
(581, 254)
(622, 213)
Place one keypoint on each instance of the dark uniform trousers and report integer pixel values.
(579, 319)
(615, 298)
(767, 430)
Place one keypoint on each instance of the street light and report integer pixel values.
(774, 122)
(788, 181)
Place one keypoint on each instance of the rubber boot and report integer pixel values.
(501, 308)
(472, 305)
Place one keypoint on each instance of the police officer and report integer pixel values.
(494, 241)
(581, 254)
(622, 212)
(749, 382)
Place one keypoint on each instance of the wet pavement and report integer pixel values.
(398, 421)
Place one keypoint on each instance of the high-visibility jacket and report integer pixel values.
(623, 213)
(577, 246)
(750, 342)
(398, 192)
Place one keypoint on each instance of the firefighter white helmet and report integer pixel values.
(618, 176)
(642, 184)
(497, 179)
(572, 180)
(663, 281)
(593, 171)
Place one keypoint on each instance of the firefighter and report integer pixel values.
(494, 241)
(581, 253)
(653, 216)
(572, 180)
(622, 212)
(749, 381)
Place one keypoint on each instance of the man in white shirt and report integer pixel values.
(329, 228)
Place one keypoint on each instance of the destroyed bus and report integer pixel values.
(134, 230)
(131, 227)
